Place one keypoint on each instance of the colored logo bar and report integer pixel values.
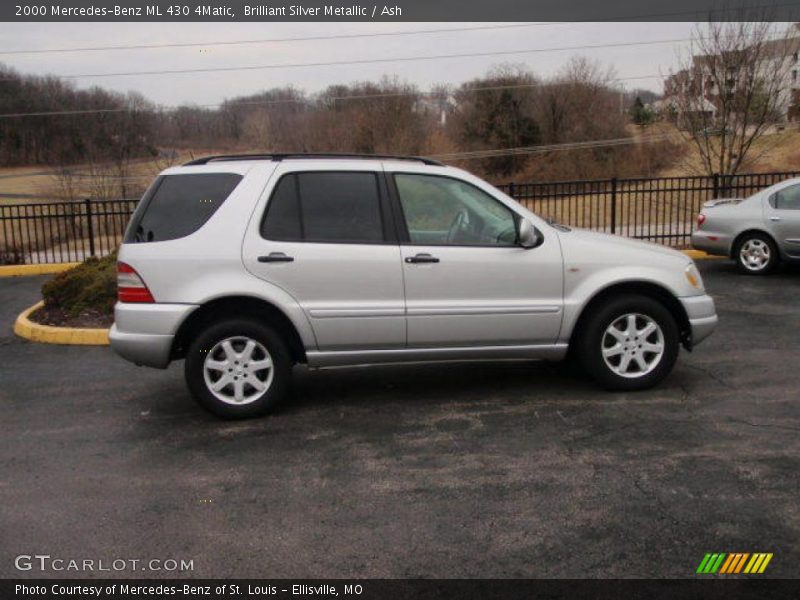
(733, 563)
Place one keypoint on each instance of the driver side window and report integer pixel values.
(448, 212)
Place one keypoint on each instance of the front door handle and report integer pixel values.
(422, 258)
(275, 257)
(774, 218)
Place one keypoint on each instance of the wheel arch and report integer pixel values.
(237, 306)
(751, 230)
(642, 288)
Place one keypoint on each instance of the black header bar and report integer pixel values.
(396, 11)
(709, 588)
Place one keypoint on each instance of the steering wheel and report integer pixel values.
(507, 235)
(460, 221)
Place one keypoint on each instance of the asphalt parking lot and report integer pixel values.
(462, 470)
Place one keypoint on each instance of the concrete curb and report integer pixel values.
(22, 270)
(47, 334)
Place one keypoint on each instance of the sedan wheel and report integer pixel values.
(756, 255)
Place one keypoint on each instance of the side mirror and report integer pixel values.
(527, 236)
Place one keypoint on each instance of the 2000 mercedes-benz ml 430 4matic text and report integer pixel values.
(246, 265)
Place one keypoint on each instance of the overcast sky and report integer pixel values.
(205, 88)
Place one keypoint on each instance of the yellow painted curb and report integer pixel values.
(700, 255)
(20, 270)
(47, 334)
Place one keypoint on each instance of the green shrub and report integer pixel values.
(92, 285)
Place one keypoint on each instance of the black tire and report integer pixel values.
(592, 336)
(238, 329)
(749, 268)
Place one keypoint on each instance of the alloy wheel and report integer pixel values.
(633, 345)
(238, 370)
(755, 254)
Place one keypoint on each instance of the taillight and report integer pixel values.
(701, 218)
(131, 287)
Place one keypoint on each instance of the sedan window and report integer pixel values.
(787, 199)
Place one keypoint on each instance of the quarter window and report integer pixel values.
(341, 207)
(445, 211)
(178, 205)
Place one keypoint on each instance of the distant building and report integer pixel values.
(698, 83)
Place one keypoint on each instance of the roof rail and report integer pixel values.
(281, 156)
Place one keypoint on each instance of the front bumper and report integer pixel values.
(143, 333)
(702, 317)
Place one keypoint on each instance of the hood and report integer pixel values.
(623, 249)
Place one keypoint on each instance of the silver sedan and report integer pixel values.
(757, 232)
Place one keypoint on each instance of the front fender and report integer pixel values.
(581, 289)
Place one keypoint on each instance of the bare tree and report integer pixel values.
(388, 116)
(580, 103)
(732, 88)
(271, 120)
(64, 184)
(495, 112)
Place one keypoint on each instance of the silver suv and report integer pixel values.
(245, 265)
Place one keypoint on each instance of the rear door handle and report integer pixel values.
(774, 218)
(275, 257)
(422, 258)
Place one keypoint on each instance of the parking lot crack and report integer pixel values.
(712, 375)
(602, 432)
(663, 507)
(767, 425)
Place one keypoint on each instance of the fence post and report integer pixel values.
(88, 204)
(715, 177)
(511, 190)
(613, 205)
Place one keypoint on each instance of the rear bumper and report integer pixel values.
(143, 333)
(712, 243)
(702, 317)
(147, 350)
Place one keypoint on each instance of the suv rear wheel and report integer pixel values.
(238, 368)
(629, 343)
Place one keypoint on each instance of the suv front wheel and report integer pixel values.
(629, 343)
(238, 368)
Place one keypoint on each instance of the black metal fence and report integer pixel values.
(659, 210)
(56, 232)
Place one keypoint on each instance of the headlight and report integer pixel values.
(693, 276)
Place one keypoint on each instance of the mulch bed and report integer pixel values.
(52, 315)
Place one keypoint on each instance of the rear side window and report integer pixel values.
(178, 205)
(343, 207)
(283, 213)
